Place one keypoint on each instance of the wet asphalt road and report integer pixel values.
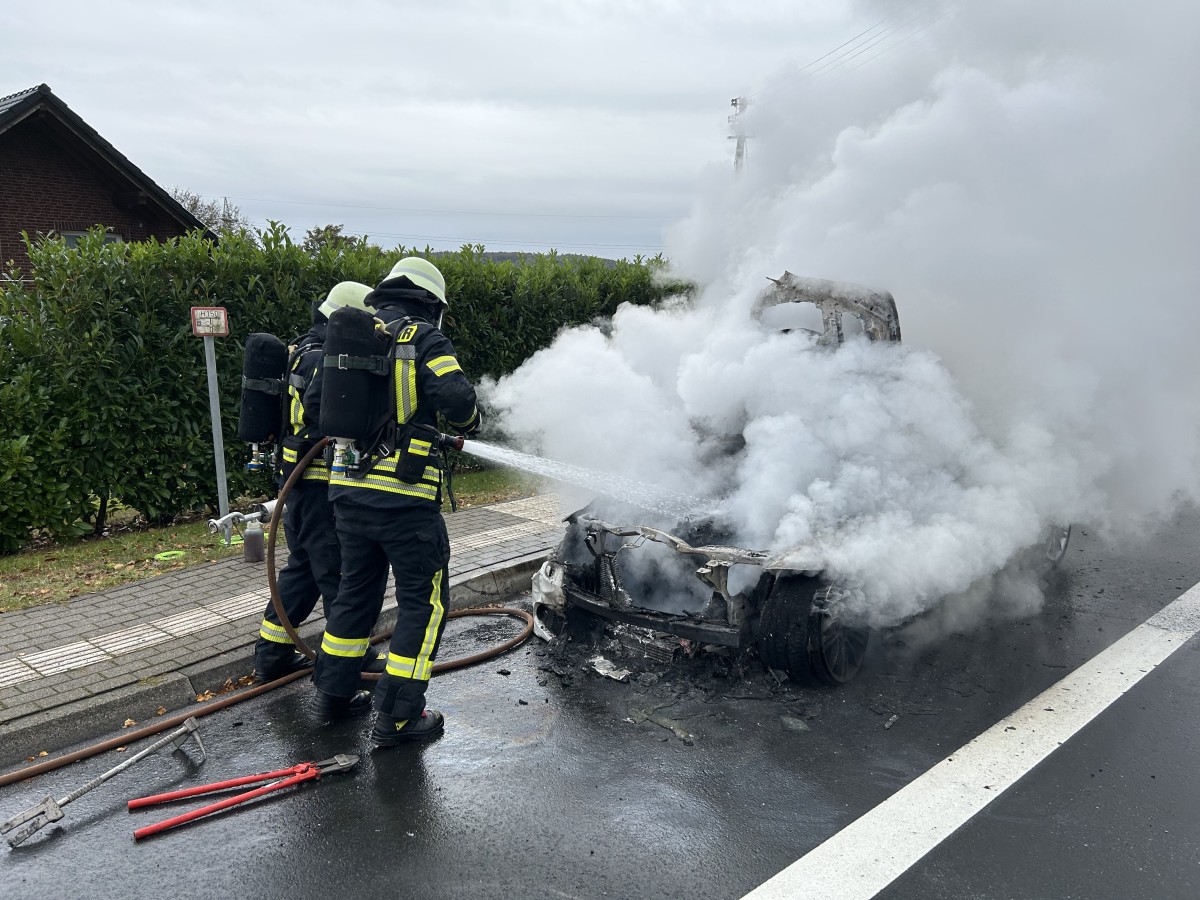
(692, 782)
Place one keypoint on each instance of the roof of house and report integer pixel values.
(15, 108)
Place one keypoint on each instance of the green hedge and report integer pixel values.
(103, 393)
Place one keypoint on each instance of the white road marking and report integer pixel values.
(870, 853)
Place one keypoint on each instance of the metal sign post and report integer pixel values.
(209, 322)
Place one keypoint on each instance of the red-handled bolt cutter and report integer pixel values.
(286, 778)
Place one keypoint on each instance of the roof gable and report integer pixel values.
(15, 108)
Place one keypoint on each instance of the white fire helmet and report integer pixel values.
(344, 293)
(423, 274)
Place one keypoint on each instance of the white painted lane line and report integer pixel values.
(870, 853)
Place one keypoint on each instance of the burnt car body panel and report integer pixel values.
(700, 588)
(739, 596)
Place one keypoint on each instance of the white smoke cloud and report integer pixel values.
(1023, 180)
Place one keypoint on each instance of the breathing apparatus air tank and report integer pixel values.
(354, 391)
(262, 388)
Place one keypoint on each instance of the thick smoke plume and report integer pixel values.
(1023, 179)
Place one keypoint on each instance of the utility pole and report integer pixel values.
(738, 127)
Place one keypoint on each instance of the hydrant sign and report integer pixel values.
(210, 321)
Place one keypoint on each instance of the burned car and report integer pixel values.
(665, 587)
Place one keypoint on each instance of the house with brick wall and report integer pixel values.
(58, 175)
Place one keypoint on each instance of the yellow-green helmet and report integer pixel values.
(344, 293)
(422, 273)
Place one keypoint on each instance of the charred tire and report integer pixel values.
(801, 632)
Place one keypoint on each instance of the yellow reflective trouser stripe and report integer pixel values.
(406, 389)
(401, 666)
(421, 668)
(443, 365)
(271, 632)
(351, 647)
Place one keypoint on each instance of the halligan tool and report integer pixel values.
(23, 825)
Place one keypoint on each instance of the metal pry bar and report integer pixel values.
(23, 825)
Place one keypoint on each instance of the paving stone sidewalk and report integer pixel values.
(71, 671)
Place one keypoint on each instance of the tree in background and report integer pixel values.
(317, 239)
(219, 216)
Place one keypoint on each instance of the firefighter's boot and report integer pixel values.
(272, 660)
(390, 732)
(328, 707)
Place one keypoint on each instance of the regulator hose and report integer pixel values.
(273, 531)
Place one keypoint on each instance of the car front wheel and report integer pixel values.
(802, 630)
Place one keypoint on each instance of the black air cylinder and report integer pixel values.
(262, 405)
(354, 400)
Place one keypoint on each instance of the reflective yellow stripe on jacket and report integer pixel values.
(443, 365)
(383, 478)
(316, 469)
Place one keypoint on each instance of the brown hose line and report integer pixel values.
(276, 518)
(130, 737)
(277, 603)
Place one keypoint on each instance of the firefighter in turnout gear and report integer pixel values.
(314, 561)
(390, 517)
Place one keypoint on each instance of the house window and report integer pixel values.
(72, 238)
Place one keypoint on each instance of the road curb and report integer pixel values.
(84, 720)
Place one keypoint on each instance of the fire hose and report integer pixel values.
(163, 724)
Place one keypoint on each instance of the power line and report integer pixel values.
(853, 43)
(858, 51)
(895, 44)
(855, 47)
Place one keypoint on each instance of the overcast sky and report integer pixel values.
(1021, 175)
(583, 125)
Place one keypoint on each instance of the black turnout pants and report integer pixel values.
(414, 544)
(313, 568)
